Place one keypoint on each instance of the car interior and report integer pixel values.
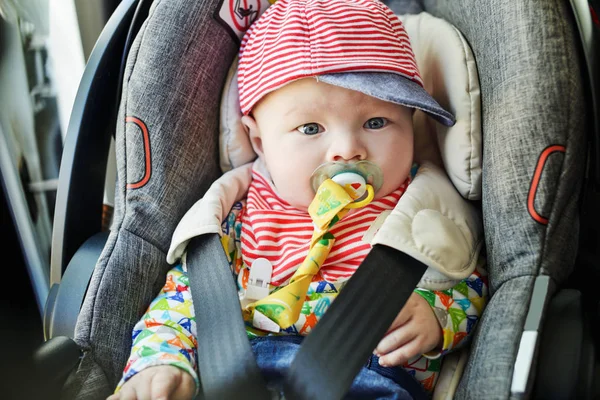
(523, 81)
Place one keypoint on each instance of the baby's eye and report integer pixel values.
(375, 123)
(310, 129)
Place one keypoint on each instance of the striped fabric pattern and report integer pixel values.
(295, 39)
(274, 230)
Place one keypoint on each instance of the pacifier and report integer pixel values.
(360, 180)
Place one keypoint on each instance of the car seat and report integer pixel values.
(539, 120)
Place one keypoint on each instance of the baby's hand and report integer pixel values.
(162, 382)
(415, 331)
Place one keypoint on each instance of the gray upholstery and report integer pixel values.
(531, 96)
(174, 76)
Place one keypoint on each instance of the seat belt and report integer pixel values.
(226, 364)
(340, 344)
(328, 359)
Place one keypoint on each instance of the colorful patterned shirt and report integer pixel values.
(166, 334)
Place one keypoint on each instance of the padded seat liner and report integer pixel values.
(136, 268)
(532, 98)
(173, 78)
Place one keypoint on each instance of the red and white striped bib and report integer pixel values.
(274, 230)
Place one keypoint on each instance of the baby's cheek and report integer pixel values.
(393, 178)
(298, 194)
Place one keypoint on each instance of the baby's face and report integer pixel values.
(307, 123)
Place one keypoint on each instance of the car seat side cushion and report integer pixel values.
(435, 225)
(207, 214)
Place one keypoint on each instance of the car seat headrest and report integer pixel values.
(449, 74)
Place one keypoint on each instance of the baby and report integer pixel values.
(327, 89)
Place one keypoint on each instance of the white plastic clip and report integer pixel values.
(258, 281)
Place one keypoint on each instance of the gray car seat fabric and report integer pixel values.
(532, 100)
(167, 155)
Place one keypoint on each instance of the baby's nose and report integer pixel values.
(347, 158)
(348, 148)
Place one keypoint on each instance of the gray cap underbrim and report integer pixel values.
(391, 87)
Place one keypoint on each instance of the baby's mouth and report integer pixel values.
(370, 172)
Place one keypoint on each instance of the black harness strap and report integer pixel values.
(226, 364)
(334, 352)
(329, 358)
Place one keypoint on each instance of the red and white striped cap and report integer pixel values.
(333, 39)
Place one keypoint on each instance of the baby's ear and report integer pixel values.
(254, 134)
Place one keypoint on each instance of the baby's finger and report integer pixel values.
(401, 355)
(142, 391)
(115, 396)
(127, 393)
(186, 388)
(402, 318)
(164, 384)
(395, 339)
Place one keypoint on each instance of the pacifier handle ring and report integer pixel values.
(367, 200)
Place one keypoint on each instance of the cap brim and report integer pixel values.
(393, 88)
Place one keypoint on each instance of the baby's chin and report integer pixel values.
(296, 200)
(299, 204)
(381, 193)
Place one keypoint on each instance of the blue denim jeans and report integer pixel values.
(274, 354)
